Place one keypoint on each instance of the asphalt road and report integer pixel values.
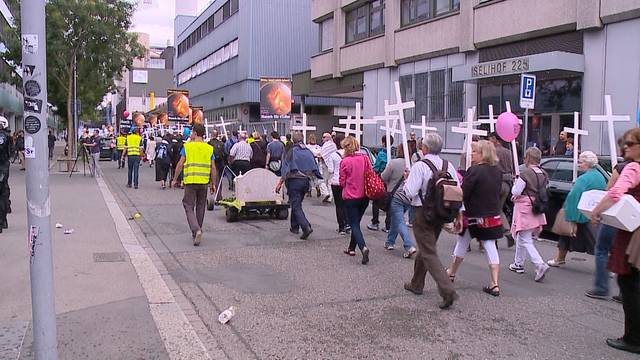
(306, 299)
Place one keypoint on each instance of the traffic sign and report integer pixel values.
(527, 91)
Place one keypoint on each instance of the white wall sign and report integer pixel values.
(140, 77)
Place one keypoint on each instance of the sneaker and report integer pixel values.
(409, 253)
(342, 232)
(389, 247)
(385, 230)
(541, 270)
(365, 255)
(617, 298)
(516, 268)
(197, 238)
(373, 227)
(347, 229)
(594, 295)
(555, 263)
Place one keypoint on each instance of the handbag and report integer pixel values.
(384, 202)
(374, 187)
(563, 227)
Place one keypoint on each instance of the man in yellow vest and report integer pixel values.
(132, 149)
(196, 158)
(120, 141)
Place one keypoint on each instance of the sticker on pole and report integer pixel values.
(33, 236)
(527, 91)
(33, 105)
(32, 124)
(30, 43)
(28, 70)
(32, 88)
(29, 149)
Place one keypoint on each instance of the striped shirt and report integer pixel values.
(241, 151)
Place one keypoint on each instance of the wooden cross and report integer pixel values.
(469, 131)
(577, 132)
(388, 127)
(358, 121)
(275, 125)
(491, 120)
(207, 126)
(161, 129)
(610, 119)
(424, 128)
(400, 107)
(304, 127)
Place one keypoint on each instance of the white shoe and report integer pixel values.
(555, 263)
(541, 270)
(197, 238)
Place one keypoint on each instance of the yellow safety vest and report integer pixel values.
(120, 141)
(250, 140)
(197, 167)
(133, 144)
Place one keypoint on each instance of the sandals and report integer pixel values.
(492, 290)
(350, 252)
(452, 277)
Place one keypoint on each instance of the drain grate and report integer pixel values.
(11, 337)
(109, 257)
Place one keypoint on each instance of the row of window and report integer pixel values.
(367, 20)
(225, 12)
(217, 58)
(228, 114)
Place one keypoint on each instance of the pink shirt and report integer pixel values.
(629, 179)
(352, 169)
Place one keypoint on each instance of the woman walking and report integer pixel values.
(585, 238)
(625, 252)
(163, 161)
(151, 150)
(481, 194)
(333, 159)
(525, 222)
(352, 169)
(393, 177)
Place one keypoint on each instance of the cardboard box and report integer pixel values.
(624, 215)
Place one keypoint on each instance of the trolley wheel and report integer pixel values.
(210, 204)
(282, 214)
(232, 214)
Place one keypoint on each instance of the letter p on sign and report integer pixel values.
(527, 91)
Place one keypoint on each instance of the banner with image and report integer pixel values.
(275, 98)
(197, 115)
(178, 105)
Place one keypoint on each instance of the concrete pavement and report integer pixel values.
(305, 299)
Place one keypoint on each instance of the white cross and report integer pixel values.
(304, 127)
(358, 121)
(610, 119)
(207, 126)
(400, 107)
(424, 128)
(223, 125)
(577, 132)
(469, 131)
(388, 128)
(491, 120)
(275, 125)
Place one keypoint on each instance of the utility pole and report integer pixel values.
(34, 59)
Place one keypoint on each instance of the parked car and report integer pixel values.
(560, 171)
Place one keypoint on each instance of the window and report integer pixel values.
(218, 18)
(365, 21)
(406, 91)
(413, 11)
(220, 56)
(436, 98)
(326, 35)
(233, 6)
(455, 101)
(226, 10)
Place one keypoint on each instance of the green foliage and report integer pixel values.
(94, 32)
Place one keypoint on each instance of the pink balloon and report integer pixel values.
(126, 114)
(508, 126)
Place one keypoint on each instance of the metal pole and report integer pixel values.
(75, 107)
(34, 52)
(526, 131)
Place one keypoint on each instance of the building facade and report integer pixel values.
(449, 55)
(222, 54)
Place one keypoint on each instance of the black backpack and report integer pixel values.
(444, 195)
(540, 203)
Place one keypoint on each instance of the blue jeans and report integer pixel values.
(134, 166)
(355, 209)
(297, 189)
(604, 240)
(398, 226)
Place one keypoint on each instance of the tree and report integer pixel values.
(90, 34)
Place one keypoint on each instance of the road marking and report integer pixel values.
(179, 337)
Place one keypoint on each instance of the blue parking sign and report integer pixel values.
(527, 91)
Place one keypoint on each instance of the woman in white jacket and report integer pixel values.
(333, 159)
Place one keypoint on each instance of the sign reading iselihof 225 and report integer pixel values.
(501, 67)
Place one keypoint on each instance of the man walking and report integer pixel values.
(218, 153)
(196, 159)
(93, 146)
(505, 164)
(132, 150)
(240, 156)
(427, 233)
(52, 143)
(298, 166)
(561, 146)
(5, 156)
(120, 141)
(275, 151)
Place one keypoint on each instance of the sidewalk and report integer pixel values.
(102, 310)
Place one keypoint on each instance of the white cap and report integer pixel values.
(4, 123)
